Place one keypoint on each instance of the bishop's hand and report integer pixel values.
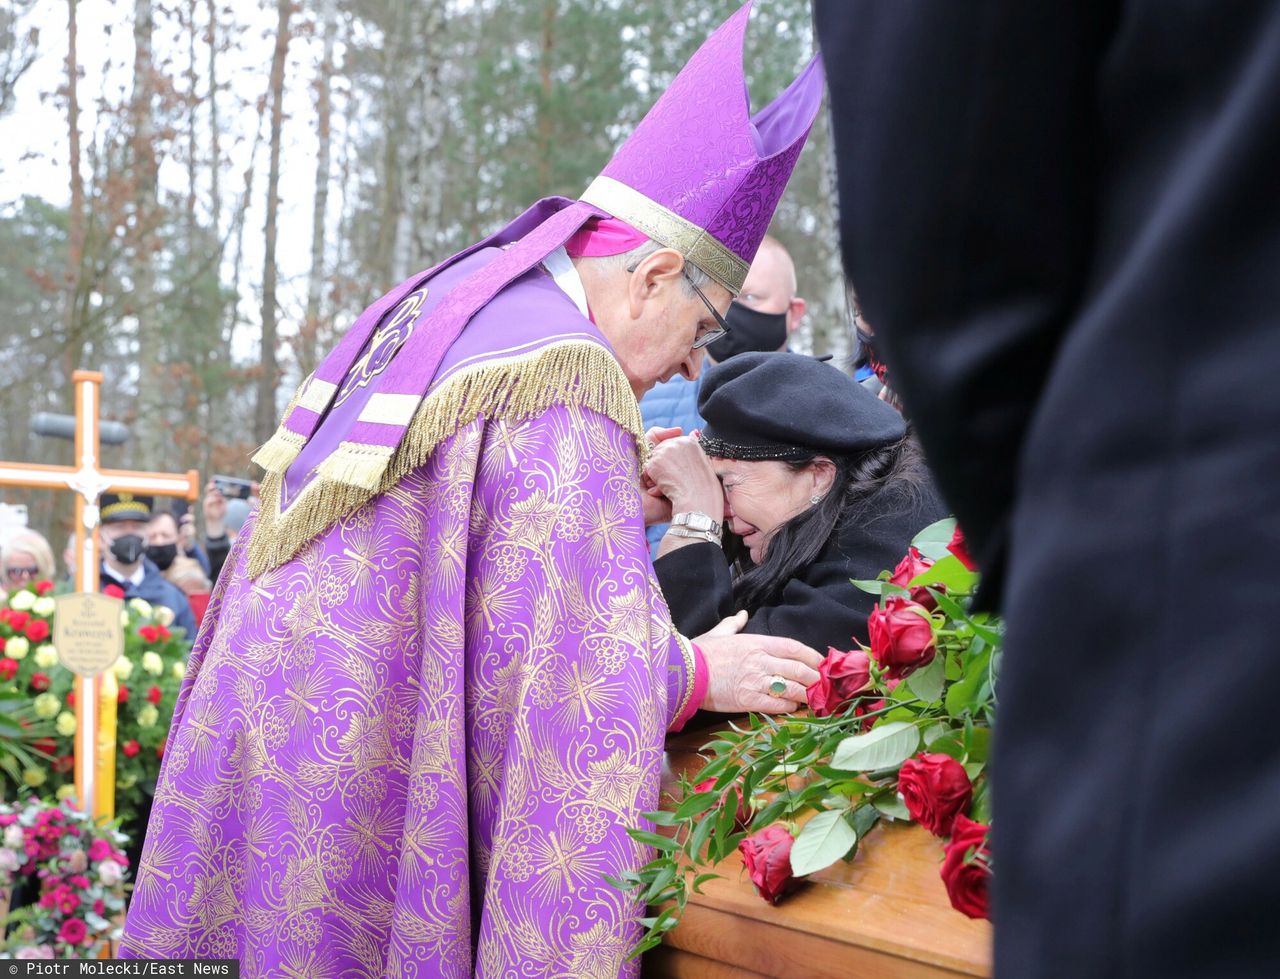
(748, 672)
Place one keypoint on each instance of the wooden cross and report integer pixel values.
(89, 481)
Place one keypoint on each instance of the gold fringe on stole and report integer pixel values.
(573, 373)
(283, 447)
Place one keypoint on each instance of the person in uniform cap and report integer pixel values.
(431, 693)
(122, 542)
(817, 479)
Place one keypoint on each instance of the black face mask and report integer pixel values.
(163, 555)
(749, 330)
(128, 549)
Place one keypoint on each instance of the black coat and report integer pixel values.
(1063, 222)
(818, 606)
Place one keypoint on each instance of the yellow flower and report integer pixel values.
(179, 669)
(44, 606)
(66, 724)
(34, 776)
(141, 606)
(47, 705)
(67, 791)
(126, 781)
(46, 656)
(152, 663)
(148, 716)
(122, 668)
(17, 647)
(23, 601)
(164, 615)
(124, 618)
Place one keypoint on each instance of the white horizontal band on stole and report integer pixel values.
(317, 395)
(390, 409)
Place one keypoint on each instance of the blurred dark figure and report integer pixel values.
(1063, 220)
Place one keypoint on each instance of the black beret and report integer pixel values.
(787, 406)
(124, 506)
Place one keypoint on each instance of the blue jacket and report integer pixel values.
(670, 404)
(157, 590)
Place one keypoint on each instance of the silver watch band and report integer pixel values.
(705, 535)
(696, 520)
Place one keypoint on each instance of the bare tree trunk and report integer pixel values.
(545, 63)
(75, 231)
(307, 337)
(265, 416)
(142, 160)
(215, 161)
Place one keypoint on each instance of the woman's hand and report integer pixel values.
(744, 671)
(681, 471)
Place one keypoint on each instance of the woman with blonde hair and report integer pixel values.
(26, 558)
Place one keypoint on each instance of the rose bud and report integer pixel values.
(967, 874)
(935, 789)
(901, 637)
(743, 816)
(960, 548)
(908, 568)
(130, 748)
(841, 676)
(767, 857)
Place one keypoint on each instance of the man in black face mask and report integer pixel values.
(765, 313)
(123, 544)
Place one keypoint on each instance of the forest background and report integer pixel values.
(198, 196)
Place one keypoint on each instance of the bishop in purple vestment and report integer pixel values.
(431, 690)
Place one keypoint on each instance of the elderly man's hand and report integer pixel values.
(743, 669)
(682, 472)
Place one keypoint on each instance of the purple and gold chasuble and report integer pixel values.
(415, 747)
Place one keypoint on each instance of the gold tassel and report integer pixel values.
(280, 450)
(577, 374)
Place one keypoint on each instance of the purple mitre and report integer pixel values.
(699, 174)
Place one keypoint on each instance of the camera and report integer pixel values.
(233, 488)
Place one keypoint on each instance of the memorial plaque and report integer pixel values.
(87, 632)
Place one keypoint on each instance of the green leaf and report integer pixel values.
(977, 743)
(698, 839)
(927, 682)
(933, 732)
(864, 817)
(702, 879)
(933, 540)
(664, 843)
(964, 693)
(824, 839)
(664, 877)
(696, 804)
(884, 746)
(950, 573)
(890, 805)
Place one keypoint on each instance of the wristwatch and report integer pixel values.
(695, 524)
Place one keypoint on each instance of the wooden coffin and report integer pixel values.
(885, 915)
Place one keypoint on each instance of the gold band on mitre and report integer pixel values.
(664, 226)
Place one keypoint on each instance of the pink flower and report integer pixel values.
(73, 931)
(99, 850)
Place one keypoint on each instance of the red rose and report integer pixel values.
(767, 857)
(155, 695)
(901, 636)
(935, 790)
(148, 633)
(966, 868)
(44, 587)
(71, 698)
(865, 708)
(46, 746)
(37, 630)
(162, 633)
(160, 751)
(115, 591)
(8, 668)
(130, 748)
(2, 642)
(743, 816)
(18, 620)
(123, 695)
(39, 681)
(908, 568)
(840, 677)
(64, 764)
(73, 931)
(960, 548)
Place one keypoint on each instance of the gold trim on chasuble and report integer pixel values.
(667, 228)
(578, 374)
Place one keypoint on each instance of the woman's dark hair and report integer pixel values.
(898, 469)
